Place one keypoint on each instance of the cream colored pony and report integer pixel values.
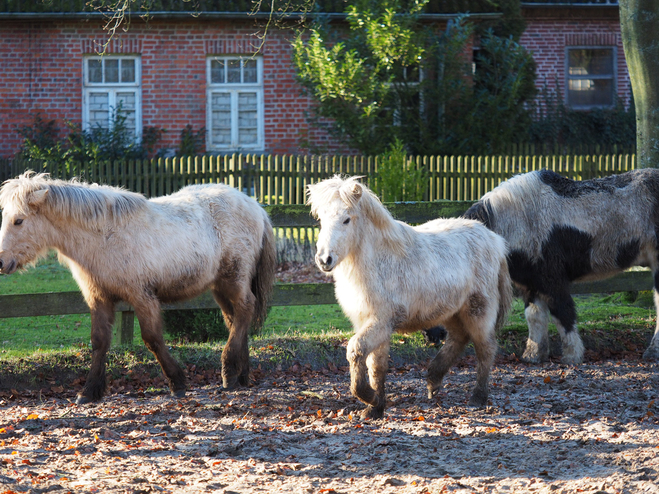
(121, 246)
(390, 277)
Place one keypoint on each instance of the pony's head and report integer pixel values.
(22, 227)
(36, 209)
(346, 209)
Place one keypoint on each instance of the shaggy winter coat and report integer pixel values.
(121, 246)
(560, 231)
(390, 277)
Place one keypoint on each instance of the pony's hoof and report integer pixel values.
(83, 400)
(651, 354)
(432, 388)
(372, 413)
(229, 384)
(533, 357)
(178, 394)
(478, 401)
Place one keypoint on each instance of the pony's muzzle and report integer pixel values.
(8, 267)
(325, 262)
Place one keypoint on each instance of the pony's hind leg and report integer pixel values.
(652, 352)
(537, 319)
(483, 336)
(456, 340)
(238, 311)
(150, 319)
(102, 315)
(564, 314)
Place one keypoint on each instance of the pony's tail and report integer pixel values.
(264, 277)
(505, 295)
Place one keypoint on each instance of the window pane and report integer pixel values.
(590, 92)
(128, 70)
(233, 71)
(111, 70)
(126, 103)
(99, 110)
(249, 71)
(95, 70)
(217, 71)
(597, 61)
(221, 118)
(247, 119)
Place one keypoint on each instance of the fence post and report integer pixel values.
(123, 331)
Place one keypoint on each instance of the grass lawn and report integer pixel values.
(314, 334)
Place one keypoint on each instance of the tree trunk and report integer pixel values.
(639, 22)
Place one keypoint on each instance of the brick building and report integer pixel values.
(578, 50)
(211, 71)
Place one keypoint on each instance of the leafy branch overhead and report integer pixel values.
(389, 74)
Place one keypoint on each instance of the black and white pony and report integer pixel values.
(559, 231)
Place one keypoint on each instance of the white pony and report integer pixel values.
(121, 246)
(390, 277)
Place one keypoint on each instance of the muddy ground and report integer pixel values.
(549, 428)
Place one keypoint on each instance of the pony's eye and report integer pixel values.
(18, 221)
(346, 221)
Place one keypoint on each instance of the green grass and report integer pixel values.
(290, 331)
(20, 337)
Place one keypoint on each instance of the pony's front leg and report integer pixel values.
(377, 364)
(367, 354)
(652, 352)
(537, 319)
(102, 315)
(148, 314)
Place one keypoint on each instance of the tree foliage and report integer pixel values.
(391, 76)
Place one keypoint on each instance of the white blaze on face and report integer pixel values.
(334, 239)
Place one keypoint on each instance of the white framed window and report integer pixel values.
(591, 76)
(234, 115)
(112, 83)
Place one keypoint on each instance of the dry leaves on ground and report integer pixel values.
(551, 428)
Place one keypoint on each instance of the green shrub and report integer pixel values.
(398, 178)
(199, 326)
(193, 142)
(42, 140)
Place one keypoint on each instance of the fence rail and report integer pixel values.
(44, 304)
(282, 179)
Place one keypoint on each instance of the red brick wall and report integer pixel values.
(42, 71)
(547, 39)
(42, 66)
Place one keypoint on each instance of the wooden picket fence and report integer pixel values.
(282, 179)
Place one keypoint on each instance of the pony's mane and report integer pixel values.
(519, 191)
(84, 203)
(323, 194)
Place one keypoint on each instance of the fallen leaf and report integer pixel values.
(547, 379)
(313, 394)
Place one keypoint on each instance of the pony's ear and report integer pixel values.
(37, 198)
(357, 192)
